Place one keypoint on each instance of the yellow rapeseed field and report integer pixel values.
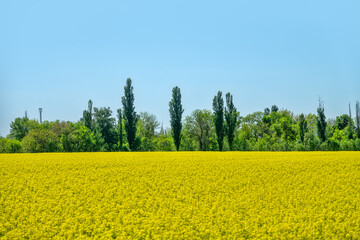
(186, 195)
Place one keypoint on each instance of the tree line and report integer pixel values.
(222, 129)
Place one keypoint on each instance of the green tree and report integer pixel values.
(120, 128)
(302, 127)
(288, 128)
(81, 139)
(342, 121)
(252, 126)
(20, 127)
(105, 125)
(40, 140)
(274, 108)
(321, 122)
(9, 145)
(357, 119)
(147, 125)
(312, 142)
(130, 116)
(165, 142)
(351, 125)
(87, 116)
(60, 127)
(218, 107)
(231, 118)
(176, 111)
(198, 124)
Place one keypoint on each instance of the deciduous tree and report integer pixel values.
(274, 108)
(105, 125)
(20, 127)
(147, 125)
(198, 124)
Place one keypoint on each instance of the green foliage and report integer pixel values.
(188, 142)
(119, 128)
(357, 119)
(342, 121)
(20, 127)
(105, 126)
(147, 125)
(9, 145)
(321, 122)
(302, 127)
(88, 116)
(130, 116)
(274, 108)
(266, 111)
(40, 140)
(176, 111)
(218, 107)
(253, 126)
(81, 139)
(275, 130)
(351, 125)
(165, 143)
(231, 118)
(312, 142)
(241, 143)
(348, 145)
(288, 127)
(330, 145)
(199, 127)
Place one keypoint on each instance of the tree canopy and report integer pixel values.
(223, 129)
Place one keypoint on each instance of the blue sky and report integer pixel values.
(59, 54)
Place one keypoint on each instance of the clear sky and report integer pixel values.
(59, 54)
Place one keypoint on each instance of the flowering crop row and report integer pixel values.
(186, 195)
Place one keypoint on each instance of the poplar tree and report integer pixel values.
(351, 127)
(120, 127)
(218, 107)
(130, 117)
(176, 111)
(357, 119)
(231, 117)
(302, 127)
(321, 122)
(87, 116)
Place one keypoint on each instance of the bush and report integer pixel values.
(9, 145)
(333, 145)
(40, 140)
(241, 143)
(347, 145)
(312, 142)
(165, 143)
(81, 140)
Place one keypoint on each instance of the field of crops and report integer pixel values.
(180, 195)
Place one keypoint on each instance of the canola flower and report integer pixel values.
(186, 195)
